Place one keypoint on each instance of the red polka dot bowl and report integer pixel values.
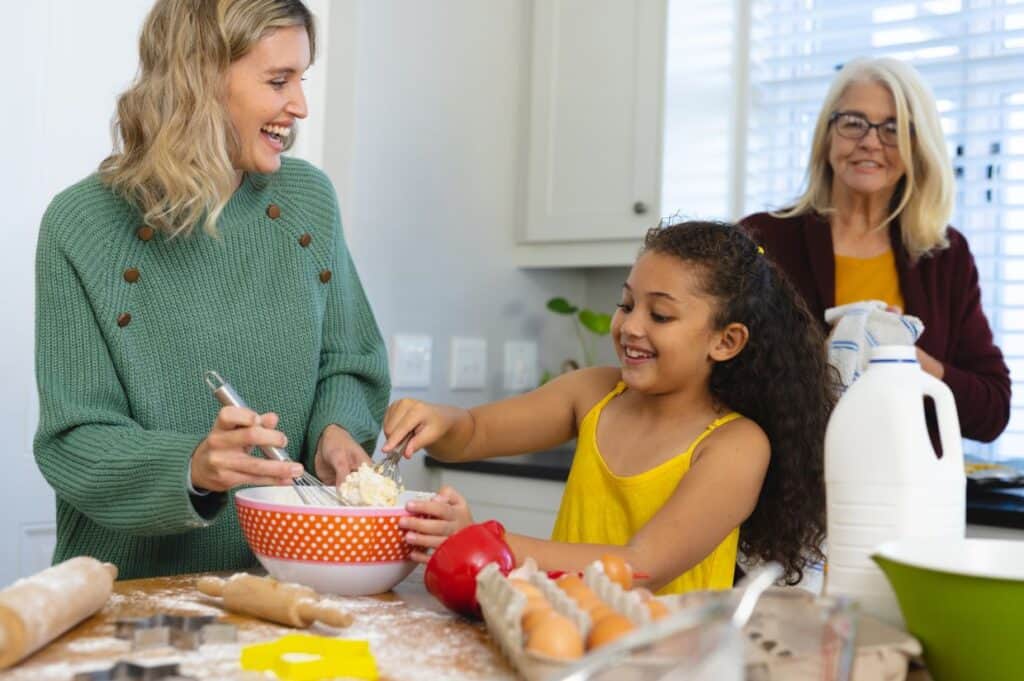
(343, 550)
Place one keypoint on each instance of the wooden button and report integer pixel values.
(124, 319)
(273, 211)
(131, 275)
(145, 233)
(325, 276)
(305, 240)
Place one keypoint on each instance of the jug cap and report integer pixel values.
(897, 354)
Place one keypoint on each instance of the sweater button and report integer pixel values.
(145, 233)
(131, 275)
(273, 211)
(325, 276)
(305, 240)
(124, 319)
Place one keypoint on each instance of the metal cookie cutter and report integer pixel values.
(132, 671)
(186, 632)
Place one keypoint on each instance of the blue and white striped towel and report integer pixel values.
(858, 327)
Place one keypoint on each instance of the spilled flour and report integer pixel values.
(410, 640)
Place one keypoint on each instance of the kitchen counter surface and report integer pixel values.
(549, 465)
(411, 636)
(985, 506)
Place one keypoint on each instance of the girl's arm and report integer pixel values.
(537, 420)
(717, 494)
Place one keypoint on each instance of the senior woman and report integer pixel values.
(872, 225)
(196, 246)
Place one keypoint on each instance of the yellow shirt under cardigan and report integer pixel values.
(868, 279)
(599, 507)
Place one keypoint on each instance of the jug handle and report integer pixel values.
(945, 413)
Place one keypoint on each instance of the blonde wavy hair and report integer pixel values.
(173, 139)
(923, 198)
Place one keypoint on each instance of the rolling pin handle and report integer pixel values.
(211, 586)
(313, 611)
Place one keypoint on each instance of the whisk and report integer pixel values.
(311, 491)
(389, 466)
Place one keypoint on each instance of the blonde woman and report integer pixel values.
(197, 246)
(873, 225)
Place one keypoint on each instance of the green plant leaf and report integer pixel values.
(596, 322)
(546, 376)
(561, 306)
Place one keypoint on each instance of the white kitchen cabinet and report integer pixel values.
(593, 167)
(523, 505)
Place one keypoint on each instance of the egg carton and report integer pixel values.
(628, 603)
(502, 605)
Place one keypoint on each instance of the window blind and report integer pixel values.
(699, 120)
(971, 53)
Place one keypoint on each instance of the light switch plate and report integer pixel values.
(468, 363)
(520, 370)
(411, 360)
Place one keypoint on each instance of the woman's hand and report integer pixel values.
(223, 461)
(930, 364)
(337, 455)
(445, 514)
(428, 422)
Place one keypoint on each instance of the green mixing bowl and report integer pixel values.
(964, 600)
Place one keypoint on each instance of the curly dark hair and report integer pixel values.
(781, 380)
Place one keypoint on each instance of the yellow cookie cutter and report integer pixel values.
(301, 657)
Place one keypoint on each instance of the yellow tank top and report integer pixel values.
(599, 507)
(868, 279)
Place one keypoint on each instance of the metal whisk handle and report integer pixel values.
(228, 397)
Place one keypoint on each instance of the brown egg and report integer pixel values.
(556, 636)
(533, 615)
(618, 570)
(528, 589)
(600, 612)
(588, 601)
(571, 584)
(607, 630)
(657, 609)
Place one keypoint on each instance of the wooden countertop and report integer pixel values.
(411, 636)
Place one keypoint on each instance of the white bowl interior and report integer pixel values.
(339, 579)
(989, 558)
(285, 495)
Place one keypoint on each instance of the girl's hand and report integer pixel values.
(337, 455)
(446, 513)
(428, 422)
(223, 460)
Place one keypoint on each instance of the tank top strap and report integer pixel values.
(720, 421)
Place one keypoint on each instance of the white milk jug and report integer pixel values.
(883, 479)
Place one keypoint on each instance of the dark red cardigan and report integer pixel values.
(941, 289)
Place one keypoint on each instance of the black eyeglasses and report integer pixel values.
(855, 126)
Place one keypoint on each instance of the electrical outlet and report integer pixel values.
(520, 371)
(468, 363)
(410, 360)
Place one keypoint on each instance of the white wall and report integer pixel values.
(59, 96)
(424, 141)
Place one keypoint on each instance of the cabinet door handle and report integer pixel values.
(639, 207)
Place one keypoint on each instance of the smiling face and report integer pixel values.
(265, 97)
(865, 167)
(662, 329)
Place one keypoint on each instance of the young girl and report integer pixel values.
(706, 440)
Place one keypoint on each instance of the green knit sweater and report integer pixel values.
(128, 321)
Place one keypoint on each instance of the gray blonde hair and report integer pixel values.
(173, 139)
(923, 199)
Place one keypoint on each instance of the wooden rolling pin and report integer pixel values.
(266, 598)
(38, 609)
